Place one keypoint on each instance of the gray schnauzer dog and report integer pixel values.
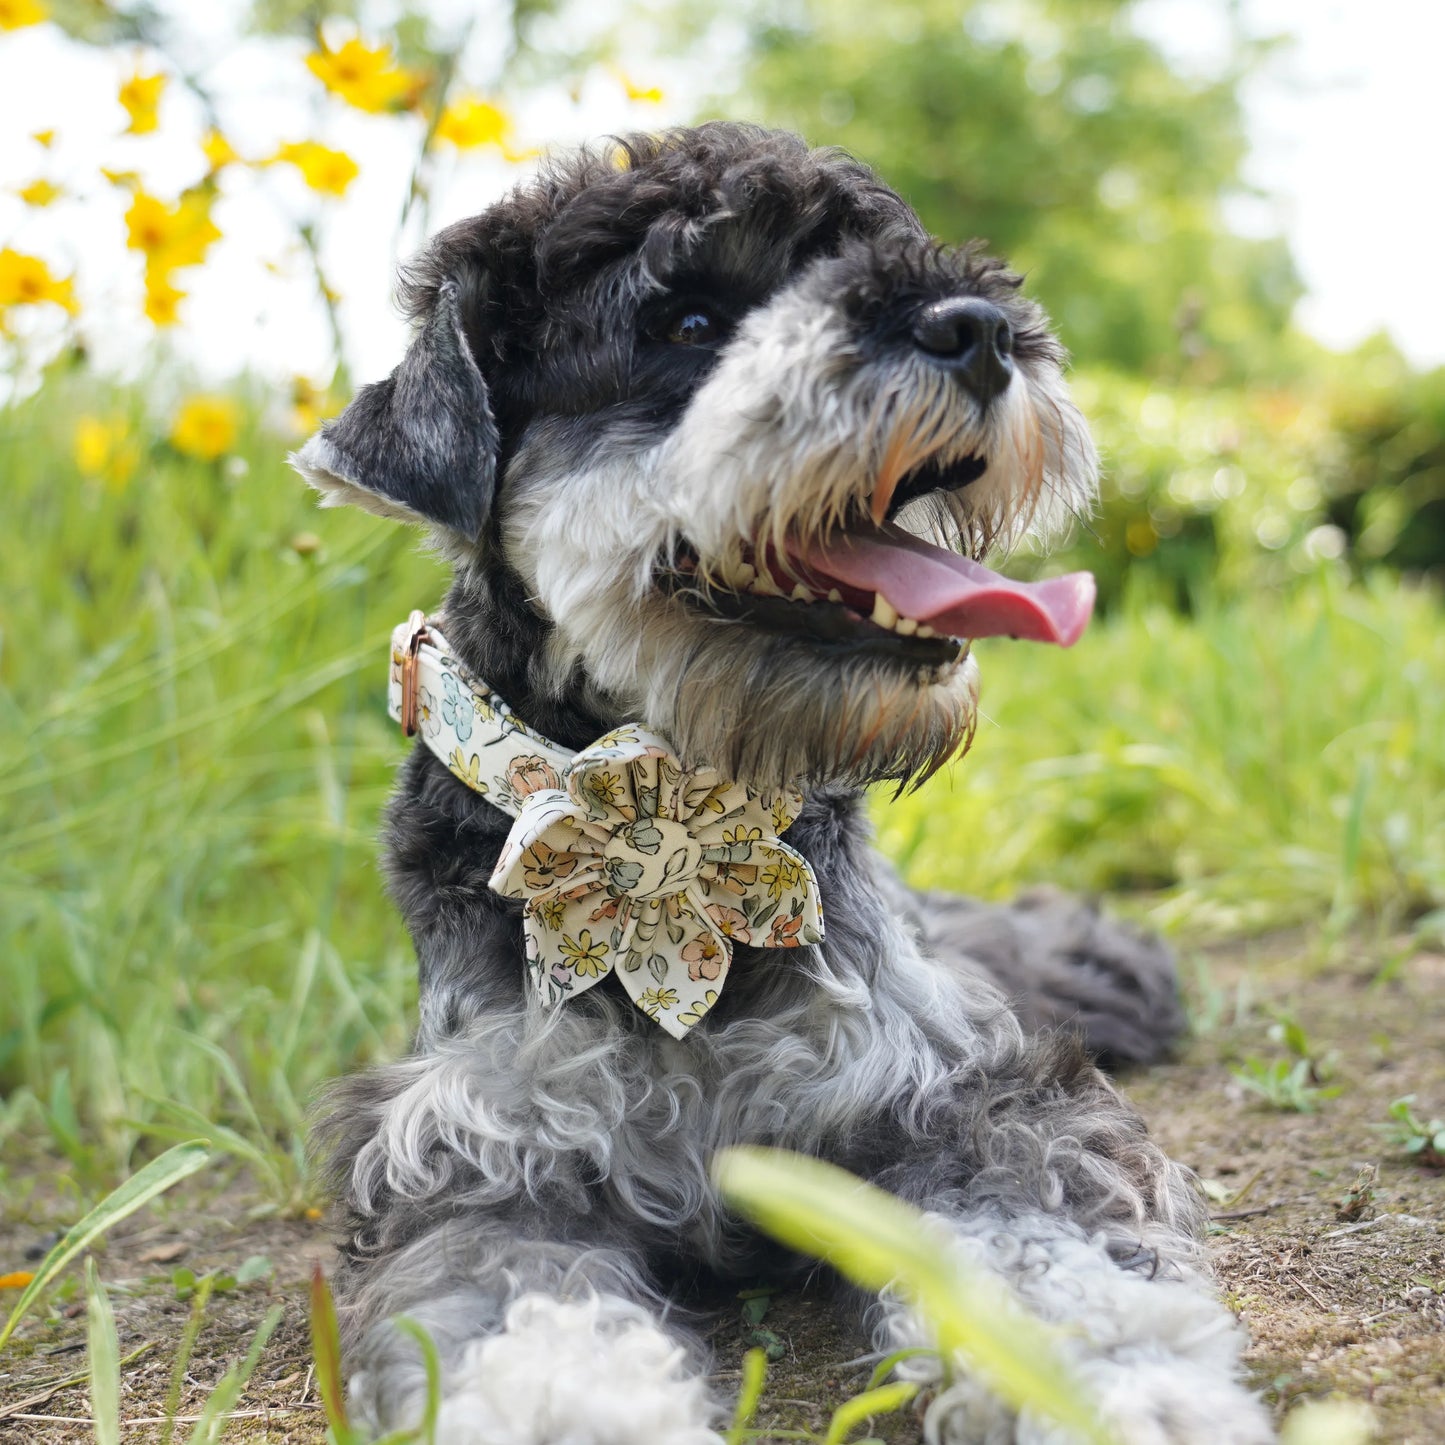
(714, 435)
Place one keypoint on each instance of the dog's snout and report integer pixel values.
(970, 336)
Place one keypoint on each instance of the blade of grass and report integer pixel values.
(885, 1400)
(432, 1364)
(755, 1374)
(889, 1363)
(137, 1191)
(1328, 1422)
(187, 1346)
(222, 1399)
(880, 1242)
(104, 1359)
(326, 1348)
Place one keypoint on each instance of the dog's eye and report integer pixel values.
(694, 327)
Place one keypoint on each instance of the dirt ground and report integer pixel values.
(1348, 1300)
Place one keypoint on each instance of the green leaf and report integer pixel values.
(881, 1401)
(770, 1343)
(104, 1360)
(137, 1191)
(878, 1241)
(256, 1266)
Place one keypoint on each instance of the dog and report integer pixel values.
(714, 435)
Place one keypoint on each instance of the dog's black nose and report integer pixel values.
(970, 336)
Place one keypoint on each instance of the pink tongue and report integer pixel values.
(953, 594)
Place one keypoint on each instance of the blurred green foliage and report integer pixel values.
(1054, 130)
(1211, 491)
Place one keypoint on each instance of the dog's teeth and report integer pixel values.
(884, 613)
(924, 630)
(801, 593)
(906, 626)
(834, 595)
(741, 576)
(765, 585)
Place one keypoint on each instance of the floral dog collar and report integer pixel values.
(628, 862)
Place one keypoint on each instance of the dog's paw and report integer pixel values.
(1156, 1403)
(593, 1372)
(1061, 962)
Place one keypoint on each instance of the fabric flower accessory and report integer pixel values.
(639, 867)
(626, 861)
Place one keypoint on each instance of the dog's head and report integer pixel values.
(715, 412)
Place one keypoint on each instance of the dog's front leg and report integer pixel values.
(1041, 1175)
(1156, 1353)
(540, 1342)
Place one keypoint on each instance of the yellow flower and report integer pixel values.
(141, 97)
(327, 171)
(469, 122)
(125, 180)
(781, 875)
(698, 1009)
(364, 77)
(468, 769)
(551, 911)
(605, 787)
(652, 94)
(44, 138)
(783, 814)
(40, 193)
(16, 14)
(171, 236)
(163, 301)
(106, 450)
(584, 955)
(520, 157)
(206, 427)
(310, 405)
(653, 1000)
(16, 1279)
(218, 150)
(26, 281)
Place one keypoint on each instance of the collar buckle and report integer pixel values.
(416, 634)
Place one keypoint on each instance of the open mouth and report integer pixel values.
(878, 589)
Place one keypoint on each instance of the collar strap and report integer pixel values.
(468, 726)
(627, 862)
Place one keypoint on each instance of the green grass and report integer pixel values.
(193, 757)
(1273, 760)
(194, 754)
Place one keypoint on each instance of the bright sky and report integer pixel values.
(1346, 129)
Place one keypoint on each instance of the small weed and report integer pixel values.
(1293, 1085)
(1287, 1032)
(755, 1306)
(1283, 1085)
(186, 1282)
(1424, 1142)
(1359, 1199)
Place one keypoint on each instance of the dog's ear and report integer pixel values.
(420, 446)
